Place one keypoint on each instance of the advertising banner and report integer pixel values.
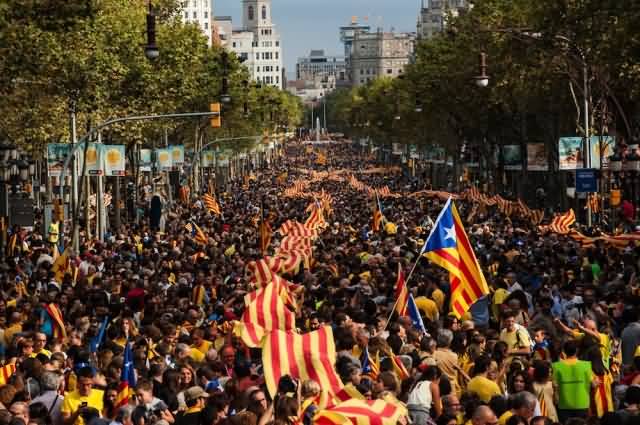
(145, 160)
(95, 159)
(163, 158)
(537, 157)
(435, 155)
(114, 160)
(601, 147)
(177, 155)
(570, 153)
(56, 155)
(207, 159)
(512, 157)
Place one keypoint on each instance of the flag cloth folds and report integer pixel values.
(448, 246)
(265, 312)
(377, 216)
(401, 293)
(560, 223)
(370, 367)
(414, 314)
(127, 378)
(196, 233)
(302, 356)
(211, 204)
(57, 321)
(361, 412)
(6, 372)
(265, 235)
(61, 266)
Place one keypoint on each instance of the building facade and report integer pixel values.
(380, 54)
(199, 12)
(257, 43)
(347, 36)
(434, 14)
(317, 63)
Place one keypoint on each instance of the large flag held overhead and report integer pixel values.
(61, 266)
(265, 311)
(127, 385)
(211, 204)
(361, 412)
(6, 372)
(377, 216)
(401, 293)
(448, 246)
(561, 223)
(302, 356)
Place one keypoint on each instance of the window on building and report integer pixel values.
(277, 80)
(257, 69)
(277, 43)
(250, 12)
(233, 44)
(361, 81)
(264, 12)
(254, 44)
(206, 15)
(186, 16)
(206, 25)
(244, 56)
(277, 54)
(257, 56)
(368, 71)
(195, 15)
(361, 71)
(389, 71)
(277, 68)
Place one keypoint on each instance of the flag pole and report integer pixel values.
(406, 282)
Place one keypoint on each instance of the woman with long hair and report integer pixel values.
(543, 389)
(424, 397)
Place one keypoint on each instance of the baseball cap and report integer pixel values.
(195, 393)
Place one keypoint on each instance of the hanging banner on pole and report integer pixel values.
(145, 160)
(114, 160)
(95, 156)
(512, 157)
(537, 157)
(570, 153)
(164, 159)
(56, 155)
(177, 155)
(601, 147)
(207, 158)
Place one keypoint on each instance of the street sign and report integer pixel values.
(21, 212)
(586, 181)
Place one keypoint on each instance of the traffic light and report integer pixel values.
(216, 120)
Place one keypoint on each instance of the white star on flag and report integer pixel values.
(451, 233)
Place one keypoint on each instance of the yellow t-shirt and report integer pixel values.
(11, 331)
(605, 345)
(438, 296)
(196, 355)
(517, 339)
(499, 296)
(43, 351)
(483, 387)
(428, 307)
(204, 347)
(502, 420)
(73, 401)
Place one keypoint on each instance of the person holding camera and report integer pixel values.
(149, 407)
(85, 402)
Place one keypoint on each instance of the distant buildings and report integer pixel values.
(318, 64)
(369, 55)
(199, 12)
(257, 43)
(434, 13)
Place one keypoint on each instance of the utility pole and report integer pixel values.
(100, 207)
(74, 177)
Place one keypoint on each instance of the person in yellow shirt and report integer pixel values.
(480, 385)
(79, 404)
(515, 336)
(427, 306)
(39, 342)
(15, 327)
(199, 343)
(588, 327)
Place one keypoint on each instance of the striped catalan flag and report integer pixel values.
(196, 233)
(211, 204)
(316, 218)
(265, 235)
(6, 372)
(289, 243)
(370, 367)
(198, 295)
(601, 396)
(448, 246)
(561, 223)
(59, 329)
(361, 412)
(295, 228)
(302, 356)
(401, 293)
(376, 226)
(265, 311)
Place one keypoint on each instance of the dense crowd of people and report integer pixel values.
(556, 340)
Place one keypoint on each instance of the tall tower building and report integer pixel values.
(257, 43)
(199, 12)
(434, 13)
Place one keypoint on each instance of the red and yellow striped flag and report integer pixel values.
(377, 219)
(265, 312)
(593, 202)
(6, 372)
(560, 223)
(59, 330)
(289, 243)
(211, 204)
(295, 228)
(316, 218)
(265, 235)
(602, 398)
(361, 412)
(196, 232)
(197, 295)
(307, 356)
(401, 293)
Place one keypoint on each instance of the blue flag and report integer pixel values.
(96, 341)
(414, 315)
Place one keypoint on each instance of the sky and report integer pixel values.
(314, 24)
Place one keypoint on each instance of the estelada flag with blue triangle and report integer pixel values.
(448, 246)
(127, 378)
(414, 315)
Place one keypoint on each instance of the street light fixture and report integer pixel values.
(151, 50)
(482, 80)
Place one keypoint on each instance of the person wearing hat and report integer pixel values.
(194, 398)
